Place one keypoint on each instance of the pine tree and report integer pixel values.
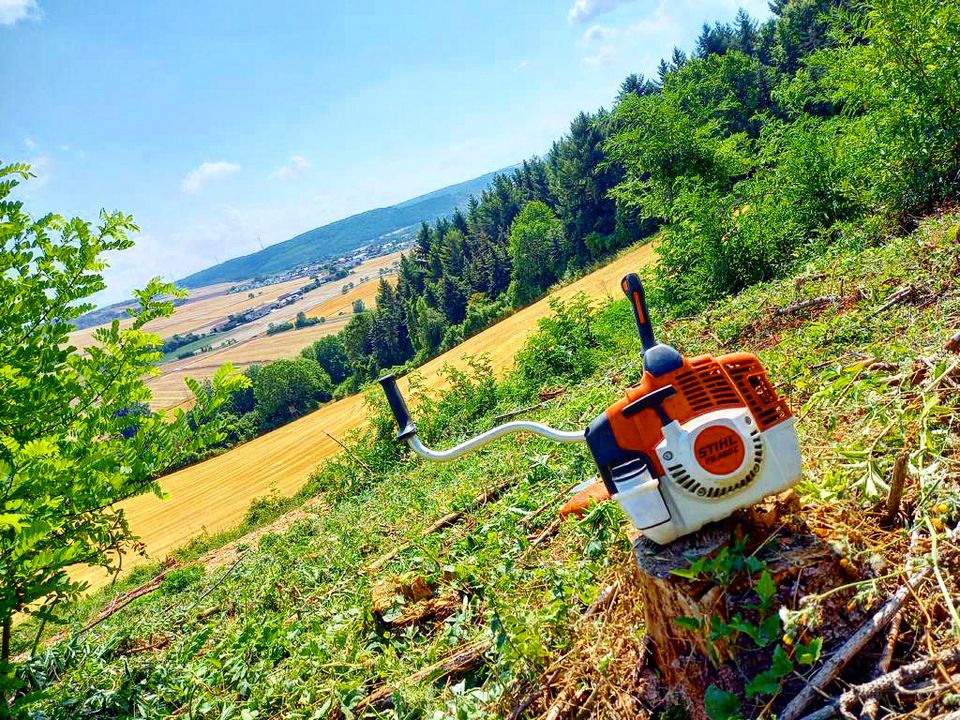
(662, 70)
(746, 32)
(424, 240)
(678, 59)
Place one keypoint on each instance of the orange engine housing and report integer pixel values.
(703, 384)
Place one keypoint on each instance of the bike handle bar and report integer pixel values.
(408, 430)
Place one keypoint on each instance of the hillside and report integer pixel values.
(214, 495)
(353, 606)
(253, 345)
(342, 236)
(801, 178)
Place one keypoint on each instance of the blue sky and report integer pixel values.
(217, 123)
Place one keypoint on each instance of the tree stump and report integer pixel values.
(686, 618)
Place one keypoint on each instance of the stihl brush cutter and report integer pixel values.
(692, 441)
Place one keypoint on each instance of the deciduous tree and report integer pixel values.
(69, 446)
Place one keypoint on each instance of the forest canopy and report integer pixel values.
(759, 147)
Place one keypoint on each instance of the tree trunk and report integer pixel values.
(687, 658)
(5, 656)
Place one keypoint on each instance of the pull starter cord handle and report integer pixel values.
(408, 430)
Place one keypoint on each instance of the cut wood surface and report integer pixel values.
(214, 495)
(688, 658)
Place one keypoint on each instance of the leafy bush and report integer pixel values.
(275, 328)
(285, 389)
(471, 395)
(332, 356)
(74, 437)
(562, 351)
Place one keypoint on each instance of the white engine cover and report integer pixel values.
(713, 465)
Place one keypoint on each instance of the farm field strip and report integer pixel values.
(169, 389)
(214, 495)
(343, 303)
(203, 312)
(209, 305)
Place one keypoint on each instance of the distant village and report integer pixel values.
(319, 273)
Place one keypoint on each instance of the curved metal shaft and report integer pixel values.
(482, 439)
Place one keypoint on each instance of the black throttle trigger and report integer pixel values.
(652, 401)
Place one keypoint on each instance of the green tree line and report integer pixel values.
(764, 144)
(768, 142)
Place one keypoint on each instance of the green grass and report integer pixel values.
(211, 339)
(290, 632)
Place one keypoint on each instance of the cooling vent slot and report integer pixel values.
(706, 387)
(762, 399)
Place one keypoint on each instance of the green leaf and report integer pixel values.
(11, 521)
(809, 654)
(768, 681)
(765, 589)
(764, 683)
(721, 705)
(692, 572)
(770, 629)
(689, 623)
(782, 664)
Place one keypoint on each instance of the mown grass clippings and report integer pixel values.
(291, 632)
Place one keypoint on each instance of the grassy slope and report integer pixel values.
(289, 631)
(214, 495)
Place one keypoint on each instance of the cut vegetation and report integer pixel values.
(369, 603)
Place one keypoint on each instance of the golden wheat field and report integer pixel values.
(170, 391)
(209, 305)
(341, 306)
(214, 495)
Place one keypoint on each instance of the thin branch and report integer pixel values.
(350, 452)
(851, 648)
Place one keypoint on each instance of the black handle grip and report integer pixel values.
(399, 407)
(633, 289)
(652, 400)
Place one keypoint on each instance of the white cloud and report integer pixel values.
(13, 11)
(600, 43)
(640, 44)
(200, 176)
(293, 169)
(585, 10)
(29, 142)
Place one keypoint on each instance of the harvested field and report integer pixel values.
(214, 495)
(209, 305)
(333, 307)
(170, 391)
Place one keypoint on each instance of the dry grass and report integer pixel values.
(341, 306)
(214, 495)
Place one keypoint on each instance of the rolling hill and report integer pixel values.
(343, 235)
